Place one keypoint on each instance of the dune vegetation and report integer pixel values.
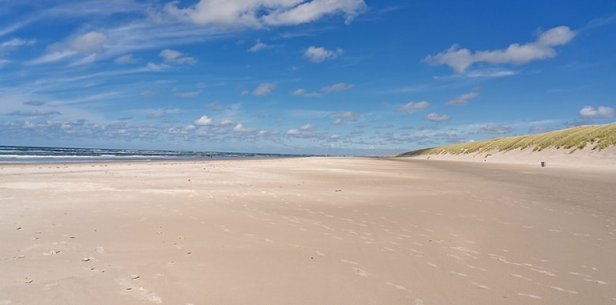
(598, 137)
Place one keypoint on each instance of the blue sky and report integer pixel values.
(300, 76)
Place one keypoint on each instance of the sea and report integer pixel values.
(24, 154)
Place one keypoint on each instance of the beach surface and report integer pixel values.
(306, 231)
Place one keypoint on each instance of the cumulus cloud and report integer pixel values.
(345, 116)
(264, 89)
(259, 13)
(320, 54)
(435, 117)
(305, 131)
(459, 59)
(204, 120)
(463, 99)
(241, 129)
(258, 46)
(601, 112)
(294, 132)
(413, 106)
(306, 127)
(176, 57)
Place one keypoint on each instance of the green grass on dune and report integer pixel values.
(597, 136)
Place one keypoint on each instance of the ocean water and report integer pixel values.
(21, 154)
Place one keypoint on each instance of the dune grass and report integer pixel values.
(598, 137)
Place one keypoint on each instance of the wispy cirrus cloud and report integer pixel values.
(260, 13)
(463, 99)
(337, 87)
(264, 89)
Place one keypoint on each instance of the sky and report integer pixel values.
(355, 77)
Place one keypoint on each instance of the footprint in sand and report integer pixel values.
(361, 272)
(480, 285)
(532, 296)
(346, 261)
(564, 290)
(433, 265)
(399, 287)
(138, 292)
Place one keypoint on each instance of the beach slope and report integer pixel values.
(306, 231)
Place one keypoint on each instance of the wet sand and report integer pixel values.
(306, 231)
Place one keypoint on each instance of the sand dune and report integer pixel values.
(586, 158)
(306, 231)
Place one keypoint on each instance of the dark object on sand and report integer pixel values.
(543, 164)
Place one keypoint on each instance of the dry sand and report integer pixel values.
(586, 158)
(306, 231)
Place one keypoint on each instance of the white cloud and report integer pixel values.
(336, 87)
(601, 112)
(204, 120)
(225, 122)
(53, 57)
(259, 13)
(463, 99)
(345, 116)
(125, 59)
(294, 132)
(459, 59)
(176, 57)
(304, 93)
(494, 129)
(435, 117)
(241, 129)
(413, 106)
(264, 89)
(188, 94)
(299, 92)
(258, 46)
(152, 67)
(91, 42)
(90, 45)
(159, 113)
(489, 73)
(320, 54)
(303, 132)
(16, 43)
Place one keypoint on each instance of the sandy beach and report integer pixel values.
(306, 231)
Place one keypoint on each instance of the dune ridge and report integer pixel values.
(584, 146)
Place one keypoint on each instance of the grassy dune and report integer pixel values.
(596, 136)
